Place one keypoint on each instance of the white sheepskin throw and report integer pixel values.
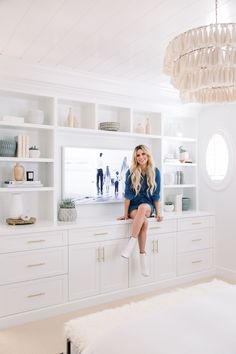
(193, 317)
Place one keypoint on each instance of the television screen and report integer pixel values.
(94, 175)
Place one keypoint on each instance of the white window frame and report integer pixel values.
(223, 184)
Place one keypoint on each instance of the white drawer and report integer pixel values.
(164, 226)
(194, 262)
(194, 240)
(29, 265)
(24, 242)
(103, 233)
(198, 222)
(32, 295)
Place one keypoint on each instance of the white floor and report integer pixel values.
(47, 336)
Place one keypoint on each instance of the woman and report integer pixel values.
(142, 194)
(107, 179)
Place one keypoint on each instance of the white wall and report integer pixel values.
(211, 119)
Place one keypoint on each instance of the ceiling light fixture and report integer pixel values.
(201, 63)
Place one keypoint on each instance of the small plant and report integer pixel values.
(182, 149)
(67, 204)
(34, 147)
(169, 203)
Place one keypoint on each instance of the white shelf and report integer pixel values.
(179, 138)
(105, 132)
(25, 159)
(179, 164)
(26, 189)
(26, 126)
(180, 186)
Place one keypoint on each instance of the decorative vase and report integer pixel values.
(36, 116)
(148, 126)
(70, 118)
(34, 153)
(67, 214)
(184, 156)
(18, 172)
(16, 209)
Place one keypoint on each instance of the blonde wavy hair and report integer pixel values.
(136, 173)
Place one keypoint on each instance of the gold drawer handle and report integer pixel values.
(196, 223)
(196, 239)
(101, 233)
(35, 295)
(103, 254)
(98, 255)
(153, 246)
(36, 241)
(35, 265)
(157, 246)
(194, 262)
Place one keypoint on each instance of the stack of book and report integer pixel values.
(22, 145)
(22, 184)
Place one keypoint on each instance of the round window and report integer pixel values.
(218, 159)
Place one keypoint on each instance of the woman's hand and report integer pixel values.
(159, 218)
(124, 217)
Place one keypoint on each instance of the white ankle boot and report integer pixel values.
(126, 253)
(144, 265)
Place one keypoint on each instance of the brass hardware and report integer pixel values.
(36, 241)
(35, 265)
(196, 223)
(35, 295)
(153, 246)
(199, 261)
(196, 239)
(157, 246)
(101, 233)
(103, 254)
(98, 254)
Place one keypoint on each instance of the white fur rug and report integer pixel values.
(200, 319)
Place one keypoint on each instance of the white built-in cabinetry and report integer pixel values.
(59, 267)
(166, 135)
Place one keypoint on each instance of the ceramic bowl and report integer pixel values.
(169, 207)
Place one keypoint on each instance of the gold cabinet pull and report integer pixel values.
(153, 246)
(196, 239)
(36, 241)
(100, 233)
(198, 261)
(157, 246)
(98, 254)
(36, 295)
(103, 254)
(35, 265)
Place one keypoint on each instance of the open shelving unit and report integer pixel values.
(164, 137)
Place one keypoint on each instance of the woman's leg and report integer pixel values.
(143, 236)
(139, 217)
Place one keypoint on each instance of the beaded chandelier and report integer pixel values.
(201, 63)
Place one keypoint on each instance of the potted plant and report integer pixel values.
(183, 154)
(67, 210)
(169, 206)
(34, 151)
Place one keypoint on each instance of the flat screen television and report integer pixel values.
(94, 175)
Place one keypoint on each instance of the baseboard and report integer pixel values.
(109, 298)
(226, 274)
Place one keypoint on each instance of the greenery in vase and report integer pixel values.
(182, 149)
(34, 147)
(67, 204)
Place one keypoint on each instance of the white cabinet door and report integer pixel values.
(135, 276)
(83, 271)
(165, 256)
(114, 268)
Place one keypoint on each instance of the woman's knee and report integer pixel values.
(143, 208)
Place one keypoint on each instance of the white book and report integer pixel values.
(19, 146)
(13, 119)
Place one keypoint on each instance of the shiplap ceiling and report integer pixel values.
(114, 39)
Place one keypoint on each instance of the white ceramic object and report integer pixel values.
(36, 116)
(169, 207)
(16, 208)
(34, 153)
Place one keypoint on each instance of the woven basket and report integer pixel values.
(111, 126)
(8, 148)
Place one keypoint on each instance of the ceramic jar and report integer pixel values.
(18, 172)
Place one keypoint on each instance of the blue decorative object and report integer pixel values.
(8, 148)
(185, 203)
